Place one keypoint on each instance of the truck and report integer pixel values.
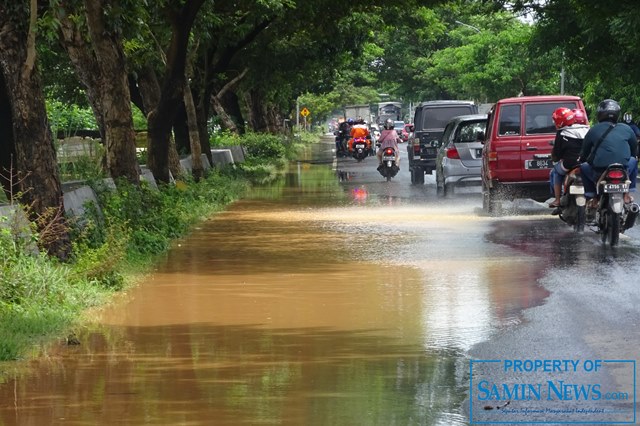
(386, 110)
(357, 111)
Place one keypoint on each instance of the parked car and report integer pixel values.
(398, 126)
(460, 155)
(516, 156)
(429, 120)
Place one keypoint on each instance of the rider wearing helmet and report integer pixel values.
(389, 138)
(566, 147)
(359, 130)
(580, 117)
(606, 143)
(628, 118)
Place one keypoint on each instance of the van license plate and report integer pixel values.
(538, 164)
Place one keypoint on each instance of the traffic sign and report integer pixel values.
(304, 112)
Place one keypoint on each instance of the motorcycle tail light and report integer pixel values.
(615, 174)
(388, 151)
(452, 153)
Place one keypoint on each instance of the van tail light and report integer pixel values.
(452, 153)
(416, 148)
(492, 156)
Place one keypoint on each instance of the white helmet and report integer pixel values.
(388, 124)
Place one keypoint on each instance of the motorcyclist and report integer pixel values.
(344, 131)
(360, 130)
(628, 118)
(389, 138)
(566, 146)
(606, 143)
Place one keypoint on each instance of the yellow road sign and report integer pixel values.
(304, 112)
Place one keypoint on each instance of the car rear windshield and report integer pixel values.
(539, 119)
(398, 125)
(468, 131)
(437, 118)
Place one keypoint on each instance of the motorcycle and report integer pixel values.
(360, 148)
(572, 206)
(341, 145)
(613, 216)
(388, 168)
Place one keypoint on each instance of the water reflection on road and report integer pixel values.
(307, 303)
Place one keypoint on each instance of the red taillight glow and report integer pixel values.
(452, 153)
(388, 151)
(416, 149)
(615, 174)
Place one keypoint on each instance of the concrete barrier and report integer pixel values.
(15, 219)
(75, 201)
(221, 157)
(147, 176)
(205, 162)
(76, 147)
(186, 164)
(237, 152)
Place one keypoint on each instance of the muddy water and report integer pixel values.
(301, 306)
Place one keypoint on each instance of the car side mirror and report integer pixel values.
(411, 128)
(480, 136)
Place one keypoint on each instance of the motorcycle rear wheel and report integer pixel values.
(580, 219)
(611, 233)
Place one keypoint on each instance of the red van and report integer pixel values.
(516, 155)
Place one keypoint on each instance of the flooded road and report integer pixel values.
(330, 298)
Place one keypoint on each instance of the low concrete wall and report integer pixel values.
(76, 147)
(237, 152)
(147, 176)
(15, 219)
(221, 157)
(76, 199)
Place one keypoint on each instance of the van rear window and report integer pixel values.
(437, 118)
(539, 117)
(509, 120)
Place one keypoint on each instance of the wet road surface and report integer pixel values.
(335, 298)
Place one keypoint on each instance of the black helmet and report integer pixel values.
(608, 110)
(388, 124)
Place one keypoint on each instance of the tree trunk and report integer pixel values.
(35, 156)
(100, 64)
(227, 122)
(258, 111)
(194, 136)
(118, 120)
(181, 130)
(150, 93)
(161, 118)
(202, 115)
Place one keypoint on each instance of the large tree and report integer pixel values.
(28, 156)
(160, 119)
(93, 42)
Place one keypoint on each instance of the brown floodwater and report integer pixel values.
(296, 306)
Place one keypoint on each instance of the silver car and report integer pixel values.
(460, 153)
